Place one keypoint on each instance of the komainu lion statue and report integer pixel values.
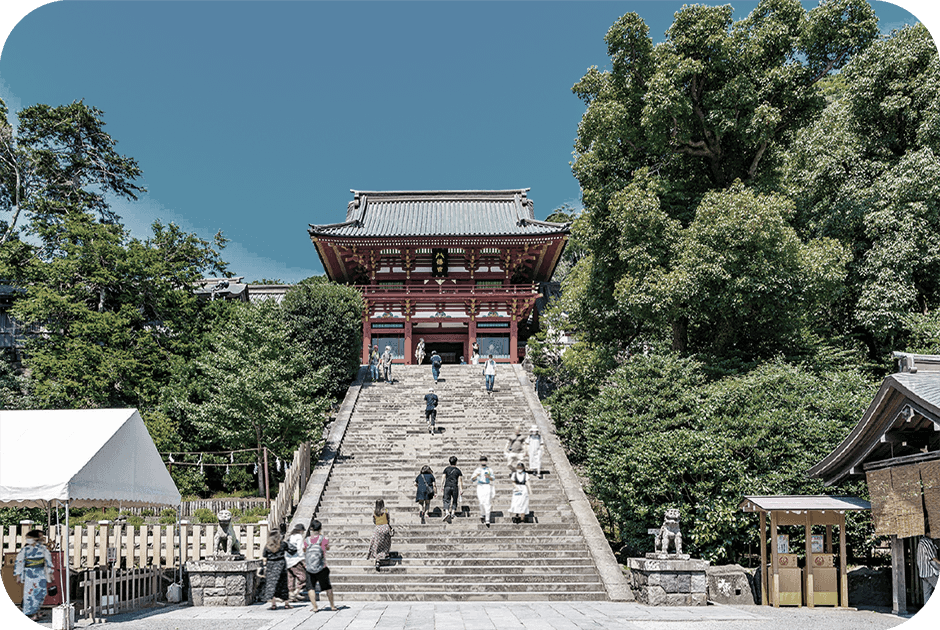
(226, 540)
(670, 531)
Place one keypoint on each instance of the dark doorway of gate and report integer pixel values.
(450, 352)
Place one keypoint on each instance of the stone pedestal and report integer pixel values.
(222, 582)
(669, 580)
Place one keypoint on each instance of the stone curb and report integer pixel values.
(607, 566)
(320, 474)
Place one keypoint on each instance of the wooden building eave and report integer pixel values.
(902, 407)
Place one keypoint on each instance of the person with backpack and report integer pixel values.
(430, 410)
(425, 490)
(436, 362)
(315, 547)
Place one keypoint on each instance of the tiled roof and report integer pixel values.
(906, 401)
(440, 213)
(923, 386)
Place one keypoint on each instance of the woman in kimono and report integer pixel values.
(535, 446)
(419, 352)
(275, 569)
(382, 536)
(34, 571)
(519, 507)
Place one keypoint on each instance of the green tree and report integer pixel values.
(717, 102)
(253, 386)
(325, 320)
(114, 312)
(660, 434)
(743, 282)
(865, 174)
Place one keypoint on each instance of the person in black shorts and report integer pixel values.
(430, 409)
(320, 573)
(453, 488)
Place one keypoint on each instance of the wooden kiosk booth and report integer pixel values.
(822, 580)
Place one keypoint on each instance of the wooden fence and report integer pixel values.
(157, 545)
(109, 591)
(188, 508)
(292, 488)
(147, 545)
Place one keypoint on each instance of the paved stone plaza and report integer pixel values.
(500, 616)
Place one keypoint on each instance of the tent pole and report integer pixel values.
(179, 542)
(68, 561)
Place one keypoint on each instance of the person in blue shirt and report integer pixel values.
(430, 409)
(436, 362)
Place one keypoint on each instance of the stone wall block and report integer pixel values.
(699, 599)
(670, 582)
(684, 583)
(235, 585)
(655, 596)
(698, 583)
(678, 599)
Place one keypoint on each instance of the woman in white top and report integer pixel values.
(483, 477)
(519, 507)
(419, 352)
(489, 373)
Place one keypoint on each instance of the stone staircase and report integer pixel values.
(383, 449)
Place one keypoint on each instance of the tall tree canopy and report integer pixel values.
(113, 313)
(865, 173)
(717, 102)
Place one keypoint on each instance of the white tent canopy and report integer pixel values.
(86, 457)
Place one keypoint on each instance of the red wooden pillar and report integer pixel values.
(514, 340)
(472, 337)
(366, 338)
(409, 349)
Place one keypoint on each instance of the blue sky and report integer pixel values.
(257, 118)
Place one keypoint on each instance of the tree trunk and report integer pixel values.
(680, 334)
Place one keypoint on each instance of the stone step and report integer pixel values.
(510, 562)
(447, 579)
(396, 582)
(472, 596)
(484, 554)
(386, 444)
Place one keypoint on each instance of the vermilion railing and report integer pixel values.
(446, 289)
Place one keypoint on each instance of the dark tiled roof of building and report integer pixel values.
(440, 213)
(907, 403)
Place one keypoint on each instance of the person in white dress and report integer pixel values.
(519, 507)
(419, 352)
(483, 477)
(534, 446)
